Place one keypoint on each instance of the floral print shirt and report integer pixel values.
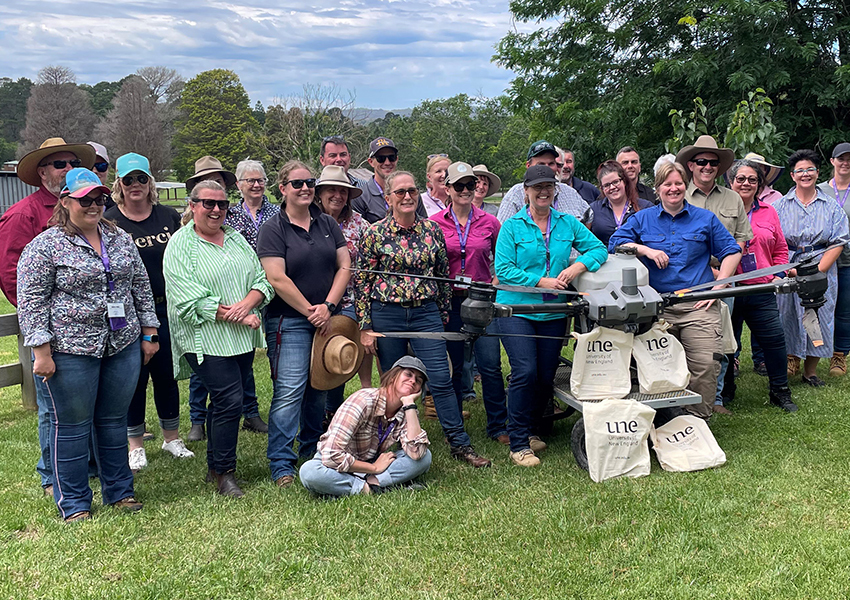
(419, 250)
(243, 221)
(352, 230)
(63, 292)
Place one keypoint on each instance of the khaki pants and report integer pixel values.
(700, 332)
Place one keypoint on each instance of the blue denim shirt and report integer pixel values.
(521, 255)
(689, 239)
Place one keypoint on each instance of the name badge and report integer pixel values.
(115, 310)
(748, 263)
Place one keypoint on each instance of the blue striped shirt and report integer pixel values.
(820, 224)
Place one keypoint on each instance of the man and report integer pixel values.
(371, 204)
(44, 168)
(335, 151)
(630, 160)
(567, 200)
(586, 190)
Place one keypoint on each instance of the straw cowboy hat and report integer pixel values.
(706, 143)
(495, 182)
(28, 166)
(206, 165)
(337, 355)
(335, 175)
(771, 172)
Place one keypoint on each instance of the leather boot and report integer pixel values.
(430, 409)
(227, 485)
(838, 364)
(255, 424)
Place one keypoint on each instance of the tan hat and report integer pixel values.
(495, 182)
(771, 172)
(458, 171)
(706, 143)
(337, 355)
(205, 166)
(335, 175)
(28, 166)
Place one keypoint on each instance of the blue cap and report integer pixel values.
(132, 162)
(80, 182)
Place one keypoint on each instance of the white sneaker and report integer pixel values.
(138, 459)
(178, 449)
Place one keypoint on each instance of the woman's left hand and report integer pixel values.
(320, 314)
(238, 311)
(574, 270)
(148, 350)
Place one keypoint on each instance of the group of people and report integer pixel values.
(113, 289)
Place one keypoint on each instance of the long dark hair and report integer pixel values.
(612, 166)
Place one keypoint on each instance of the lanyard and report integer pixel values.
(104, 257)
(383, 197)
(384, 433)
(256, 222)
(545, 237)
(465, 236)
(750, 217)
(619, 222)
(843, 198)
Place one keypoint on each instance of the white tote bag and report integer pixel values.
(686, 444)
(661, 363)
(730, 345)
(601, 364)
(615, 433)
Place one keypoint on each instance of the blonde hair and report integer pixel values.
(195, 194)
(118, 194)
(664, 171)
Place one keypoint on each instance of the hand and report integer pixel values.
(659, 257)
(410, 398)
(251, 320)
(792, 273)
(574, 270)
(552, 283)
(319, 315)
(707, 303)
(383, 462)
(43, 366)
(238, 311)
(148, 350)
(369, 342)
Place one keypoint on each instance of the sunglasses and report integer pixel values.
(400, 194)
(701, 162)
(750, 180)
(129, 180)
(469, 185)
(297, 184)
(61, 164)
(85, 201)
(430, 156)
(382, 158)
(101, 167)
(222, 205)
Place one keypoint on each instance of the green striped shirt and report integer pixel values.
(199, 276)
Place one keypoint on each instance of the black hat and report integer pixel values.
(379, 144)
(541, 147)
(538, 174)
(842, 148)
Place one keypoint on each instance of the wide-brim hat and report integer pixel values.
(337, 355)
(771, 172)
(495, 182)
(28, 165)
(706, 143)
(335, 175)
(207, 165)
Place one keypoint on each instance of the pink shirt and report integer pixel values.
(769, 195)
(480, 243)
(768, 243)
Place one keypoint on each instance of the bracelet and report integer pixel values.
(408, 407)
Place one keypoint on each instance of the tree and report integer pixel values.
(13, 107)
(214, 118)
(101, 95)
(165, 84)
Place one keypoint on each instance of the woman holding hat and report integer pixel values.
(488, 184)
(435, 198)
(86, 309)
(138, 212)
(354, 456)
(471, 235)
(534, 249)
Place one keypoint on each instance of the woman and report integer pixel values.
(151, 225)
(434, 199)
(404, 243)
(215, 286)
(471, 235)
(488, 184)
(534, 249)
(675, 241)
(86, 310)
(811, 222)
(306, 260)
(254, 209)
(354, 456)
(619, 202)
(767, 248)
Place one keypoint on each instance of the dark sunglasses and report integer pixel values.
(223, 205)
(85, 201)
(469, 185)
(61, 164)
(400, 194)
(297, 184)
(128, 180)
(701, 162)
(101, 167)
(382, 158)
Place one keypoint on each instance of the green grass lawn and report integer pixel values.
(769, 524)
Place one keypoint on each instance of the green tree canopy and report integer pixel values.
(13, 107)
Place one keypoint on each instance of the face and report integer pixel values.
(252, 186)
(333, 198)
(483, 188)
(406, 206)
(705, 175)
(388, 166)
(631, 164)
(613, 187)
(84, 218)
(52, 178)
(102, 175)
(298, 197)
(135, 192)
(547, 158)
(336, 154)
(408, 382)
(540, 195)
(672, 192)
(746, 183)
(569, 166)
(805, 174)
(208, 221)
(436, 177)
(465, 196)
(841, 166)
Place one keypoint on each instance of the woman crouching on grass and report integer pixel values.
(353, 456)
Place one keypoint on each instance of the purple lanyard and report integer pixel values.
(465, 236)
(104, 257)
(846, 192)
(619, 222)
(259, 218)
(384, 433)
(545, 237)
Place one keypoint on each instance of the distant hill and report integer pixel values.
(367, 115)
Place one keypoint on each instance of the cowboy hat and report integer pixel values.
(28, 166)
(337, 355)
(495, 182)
(706, 143)
(205, 166)
(335, 175)
(771, 172)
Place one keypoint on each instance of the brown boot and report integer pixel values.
(793, 365)
(430, 409)
(227, 485)
(838, 364)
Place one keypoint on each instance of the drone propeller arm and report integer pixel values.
(565, 308)
(781, 286)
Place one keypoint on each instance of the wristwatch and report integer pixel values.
(331, 306)
(154, 339)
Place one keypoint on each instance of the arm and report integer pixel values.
(16, 232)
(828, 259)
(275, 268)
(511, 204)
(192, 301)
(413, 439)
(140, 288)
(320, 314)
(259, 294)
(507, 267)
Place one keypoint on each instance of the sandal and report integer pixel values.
(814, 381)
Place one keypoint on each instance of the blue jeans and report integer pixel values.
(198, 399)
(320, 479)
(394, 317)
(294, 402)
(488, 357)
(87, 391)
(841, 336)
(534, 363)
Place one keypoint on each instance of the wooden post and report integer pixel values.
(19, 373)
(27, 383)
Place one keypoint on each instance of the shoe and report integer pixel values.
(196, 433)
(760, 369)
(255, 424)
(838, 364)
(503, 439)
(536, 444)
(138, 459)
(781, 397)
(720, 409)
(227, 485)
(178, 449)
(430, 409)
(83, 515)
(468, 455)
(285, 481)
(793, 365)
(48, 490)
(525, 458)
(814, 381)
(470, 398)
(147, 435)
(128, 504)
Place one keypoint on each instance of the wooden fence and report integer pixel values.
(19, 373)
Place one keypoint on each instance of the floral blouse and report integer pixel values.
(387, 246)
(242, 221)
(352, 230)
(63, 292)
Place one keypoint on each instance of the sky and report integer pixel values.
(390, 54)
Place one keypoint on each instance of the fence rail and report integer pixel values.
(19, 373)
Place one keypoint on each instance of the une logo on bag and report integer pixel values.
(622, 426)
(600, 346)
(656, 344)
(681, 435)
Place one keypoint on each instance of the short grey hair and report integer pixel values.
(249, 166)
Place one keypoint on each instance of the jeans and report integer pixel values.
(758, 353)
(841, 336)
(320, 479)
(225, 377)
(467, 382)
(198, 399)
(87, 392)
(534, 363)
(394, 317)
(488, 357)
(294, 402)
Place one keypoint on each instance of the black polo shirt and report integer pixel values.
(646, 192)
(310, 256)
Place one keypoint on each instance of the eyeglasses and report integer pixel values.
(539, 187)
(297, 184)
(255, 181)
(85, 201)
(612, 184)
(469, 185)
(382, 158)
(803, 171)
(430, 156)
(701, 162)
(400, 194)
(129, 180)
(61, 164)
(101, 167)
(223, 205)
(750, 180)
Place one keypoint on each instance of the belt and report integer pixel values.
(803, 249)
(412, 303)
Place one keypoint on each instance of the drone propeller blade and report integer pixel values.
(525, 289)
(530, 335)
(811, 324)
(415, 276)
(448, 336)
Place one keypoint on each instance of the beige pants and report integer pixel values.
(700, 332)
